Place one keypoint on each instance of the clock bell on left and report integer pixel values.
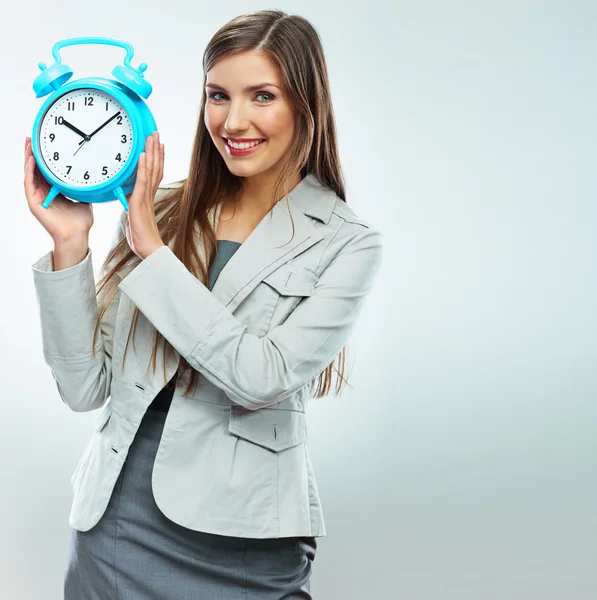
(88, 135)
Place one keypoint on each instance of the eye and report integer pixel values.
(271, 97)
(212, 97)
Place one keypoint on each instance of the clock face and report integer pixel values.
(85, 137)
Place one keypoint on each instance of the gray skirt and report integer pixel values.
(136, 553)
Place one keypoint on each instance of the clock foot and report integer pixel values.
(54, 191)
(120, 195)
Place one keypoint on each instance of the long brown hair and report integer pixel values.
(294, 46)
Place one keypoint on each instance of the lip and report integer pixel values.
(245, 152)
(242, 140)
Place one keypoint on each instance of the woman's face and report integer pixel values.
(246, 102)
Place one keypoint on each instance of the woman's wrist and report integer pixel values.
(70, 253)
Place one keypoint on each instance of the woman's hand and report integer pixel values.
(142, 232)
(64, 219)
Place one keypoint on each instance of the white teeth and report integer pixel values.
(244, 145)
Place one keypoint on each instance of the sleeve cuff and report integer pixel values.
(44, 267)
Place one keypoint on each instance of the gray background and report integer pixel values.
(462, 465)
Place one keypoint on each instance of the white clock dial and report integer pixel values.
(85, 137)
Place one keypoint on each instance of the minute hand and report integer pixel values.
(102, 126)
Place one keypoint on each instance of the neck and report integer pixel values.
(255, 197)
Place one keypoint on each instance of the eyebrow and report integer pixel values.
(250, 88)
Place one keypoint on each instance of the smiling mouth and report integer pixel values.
(242, 145)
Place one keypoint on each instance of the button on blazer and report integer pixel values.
(233, 458)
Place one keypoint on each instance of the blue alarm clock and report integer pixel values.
(88, 135)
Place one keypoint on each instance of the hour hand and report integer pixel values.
(76, 130)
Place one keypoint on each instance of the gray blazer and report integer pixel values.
(233, 458)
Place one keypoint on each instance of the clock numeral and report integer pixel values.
(89, 101)
(104, 170)
(56, 156)
(119, 120)
(123, 138)
(52, 137)
(58, 120)
(71, 105)
(69, 167)
(86, 176)
(118, 157)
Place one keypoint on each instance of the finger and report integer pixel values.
(127, 231)
(34, 176)
(27, 152)
(141, 182)
(149, 159)
(28, 182)
(149, 166)
(37, 176)
(157, 156)
(161, 170)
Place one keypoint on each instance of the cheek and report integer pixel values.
(277, 124)
(211, 121)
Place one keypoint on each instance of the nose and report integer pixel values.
(236, 120)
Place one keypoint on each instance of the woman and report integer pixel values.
(197, 481)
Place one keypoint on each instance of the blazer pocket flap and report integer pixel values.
(268, 427)
(292, 280)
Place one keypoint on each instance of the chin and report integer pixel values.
(241, 171)
(246, 170)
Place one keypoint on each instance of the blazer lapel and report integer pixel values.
(273, 241)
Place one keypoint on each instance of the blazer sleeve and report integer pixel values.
(68, 311)
(256, 372)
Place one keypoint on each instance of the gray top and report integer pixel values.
(226, 249)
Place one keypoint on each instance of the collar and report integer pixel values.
(313, 198)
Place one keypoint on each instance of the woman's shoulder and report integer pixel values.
(162, 190)
(165, 188)
(345, 228)
(323, 203)
(347, 212)
(171, 186)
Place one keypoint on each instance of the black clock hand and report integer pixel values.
(71, 126)
(101, 126)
